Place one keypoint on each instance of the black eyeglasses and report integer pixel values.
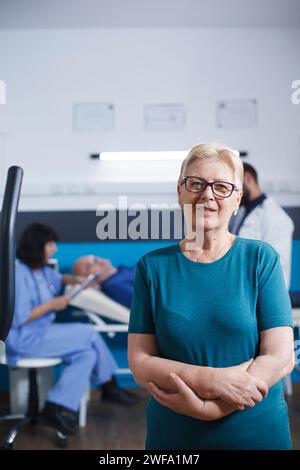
(221, 189)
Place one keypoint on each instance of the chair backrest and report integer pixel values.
(8, 248)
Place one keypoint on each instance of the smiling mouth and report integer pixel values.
(206, 210)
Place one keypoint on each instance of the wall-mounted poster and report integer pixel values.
(2, 92)
(93, 117)
(236, 114)
(164, 117)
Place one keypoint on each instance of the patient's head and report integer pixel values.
(91, 264)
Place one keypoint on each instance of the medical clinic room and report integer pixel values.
(150, 227)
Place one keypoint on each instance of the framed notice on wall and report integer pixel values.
(237, 114)
(164, 117)
(93, 117)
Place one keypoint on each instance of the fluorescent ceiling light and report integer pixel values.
(141, 156)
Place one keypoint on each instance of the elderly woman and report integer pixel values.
(210, 324)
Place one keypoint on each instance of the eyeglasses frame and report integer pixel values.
(207, 183)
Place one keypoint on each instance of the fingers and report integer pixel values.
(258, 386)
(257, 397)
(253, 397)
(162, 394)
(250, 403)
(153, 389)
(250, 400)
(180, 384)
(180, 388)
(157, 393)
(262, 387)
(246, 365)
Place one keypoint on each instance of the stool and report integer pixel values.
(32, 413)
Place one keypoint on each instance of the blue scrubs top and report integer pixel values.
(33, 287)
(210, 314)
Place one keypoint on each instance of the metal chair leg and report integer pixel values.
(12, 434)
(31, 416)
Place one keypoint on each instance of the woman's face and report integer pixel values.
(49, 250)
(216, 211)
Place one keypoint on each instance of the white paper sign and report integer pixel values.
(93, 117)
(2, 92)
(237, 114)
(164, 117)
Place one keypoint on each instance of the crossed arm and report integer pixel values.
(211, 393)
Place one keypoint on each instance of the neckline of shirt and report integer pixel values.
(212, 263)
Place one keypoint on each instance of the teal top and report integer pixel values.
(211, 314)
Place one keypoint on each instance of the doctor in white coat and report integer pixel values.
(261, 218)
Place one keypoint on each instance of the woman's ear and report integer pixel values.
(239, 198)
(179, 194)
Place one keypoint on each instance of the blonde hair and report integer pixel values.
(215, 152)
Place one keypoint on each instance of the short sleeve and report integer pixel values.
(141, 315)
(273, 303)
(23, 298)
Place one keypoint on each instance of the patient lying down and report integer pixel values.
(111, 293)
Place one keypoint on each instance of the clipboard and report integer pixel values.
(82, 286)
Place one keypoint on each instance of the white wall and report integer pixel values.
(46, 71)
(67, 14)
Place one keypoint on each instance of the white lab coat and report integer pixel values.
(270, 223)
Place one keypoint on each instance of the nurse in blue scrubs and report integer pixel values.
(210, 332)
(85, 354)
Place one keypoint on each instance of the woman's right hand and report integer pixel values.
(237, 387)
(60, 302)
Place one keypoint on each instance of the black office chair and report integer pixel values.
(7, 300)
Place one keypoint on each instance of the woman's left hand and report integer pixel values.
(183, 400)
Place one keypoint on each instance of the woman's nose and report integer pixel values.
(207, 194)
